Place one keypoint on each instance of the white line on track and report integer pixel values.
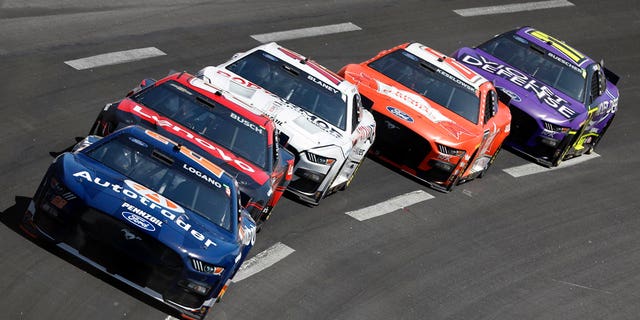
(262, 260)
(393, 204)
(533, 168)
(515, 7)
(115, 58)
(306, 32)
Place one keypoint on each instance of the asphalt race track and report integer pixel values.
(561, 244)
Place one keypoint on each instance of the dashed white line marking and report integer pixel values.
(515, 7)
(581, 286)
(262, 260)
(306, 32)
(393, 204)
(115, 58)
(532, 168)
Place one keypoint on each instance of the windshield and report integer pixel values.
(431, 82)
(293, 85)
(159, 172)
(532, 60)
(210, 119)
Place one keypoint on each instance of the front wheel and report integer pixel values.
(593, 147)
(353, 174)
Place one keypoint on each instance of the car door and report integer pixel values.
(486, 148)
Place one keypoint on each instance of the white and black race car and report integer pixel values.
(320, 114)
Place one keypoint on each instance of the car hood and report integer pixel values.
(422, 115)
(529, 94)
(304, 129)
(115, 195)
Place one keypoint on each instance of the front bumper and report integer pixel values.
(530, 139)
(311, 181)
(415, 155)
(138, 260)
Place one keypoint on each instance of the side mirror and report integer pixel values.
(612, 77)
(283, 139)
(143, 85)
(504, 97)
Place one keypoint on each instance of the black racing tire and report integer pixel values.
(493, 158)
(593, 147)
(348, 183)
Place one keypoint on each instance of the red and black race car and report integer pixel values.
(233, 135)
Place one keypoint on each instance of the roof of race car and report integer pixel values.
(447, 64)
(309, 66)
(553, 45)
(227, 99)
(185, 155)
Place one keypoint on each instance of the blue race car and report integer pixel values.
(149, 212)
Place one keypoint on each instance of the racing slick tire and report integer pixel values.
(593, 147)
(353, 174)
(493, 158)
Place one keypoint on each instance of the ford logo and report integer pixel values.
(400, 114)
(138, 221)
(510, 93)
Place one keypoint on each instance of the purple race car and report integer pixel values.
(561, 101)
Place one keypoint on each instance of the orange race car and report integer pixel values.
(436, 119)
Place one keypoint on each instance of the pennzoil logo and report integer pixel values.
(152, 200)
(154, 196)
(138, 221)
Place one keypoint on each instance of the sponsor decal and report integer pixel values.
(462, 69)
(565, 49)
(142, 214)
(313, 65)
(202, 175)
(513, 95)
(455, 80)
(413, 101)
(542, 92)
(128, 235)
(138, 221)
(154, 196)
(566, 63)
(208, 146)
(279, 102)
(247, 123)
(322, 84)
(400, 114)
(151, 200)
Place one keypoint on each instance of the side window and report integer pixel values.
(603, 81)
(490, 105)
(598, 82)
(356, 112)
